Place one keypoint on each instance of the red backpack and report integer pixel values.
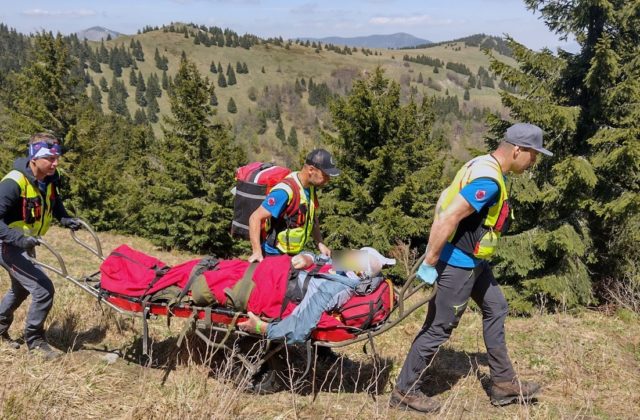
(253, 183)
(364, 311)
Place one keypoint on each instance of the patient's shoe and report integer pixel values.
(503, 393)
(43, 349)
(415, 400)
(10, 342)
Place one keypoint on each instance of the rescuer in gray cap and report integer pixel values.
(471, 215)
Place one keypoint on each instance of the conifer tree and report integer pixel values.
(222, 81)
(140, 117)
(280, 134)
(104, 85)
(262, 123)
(292, 139)
(466, 96)
(213, 101)
(220, 67)
(190, 202)
(141, 99)
(262, 70)
(44, 95)
(231, 75)
(420, 78)
(133, 79)
(96, 97)
(577, 223)
(165, 80)
(213, 68)
(391, 167)
(152, 109)
(245, 68)
(231, 106)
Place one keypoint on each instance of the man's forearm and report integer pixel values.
(254, 233)
(441, 230)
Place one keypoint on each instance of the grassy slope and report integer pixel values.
(587, 362)
(294, 62)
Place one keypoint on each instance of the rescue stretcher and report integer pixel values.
(211, 322)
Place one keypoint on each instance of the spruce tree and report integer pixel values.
(231, 106)
(213, 101)
(133, 79)
(213, 68)
(391, 167)
(222, 81)
(577, 220)
(165, 80)
(292, 139)
(104, 85)
(280, 134)
(141, 99)
(44, 95)
(96, 97)
(190, 204)
(231, 75)
(466, 96)
(140, 117)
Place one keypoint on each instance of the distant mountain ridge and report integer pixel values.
(96, 33)
(397, 40)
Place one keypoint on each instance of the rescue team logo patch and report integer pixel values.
(271, 201)
(480, 195)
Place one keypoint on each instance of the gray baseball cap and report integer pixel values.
(526, 135)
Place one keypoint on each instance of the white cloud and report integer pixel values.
(409, 20)
(79, 13)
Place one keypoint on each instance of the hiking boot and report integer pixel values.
(415, 400)
(10, 342)
(43, 349)
(503, 393)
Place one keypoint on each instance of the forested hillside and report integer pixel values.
(154, 125)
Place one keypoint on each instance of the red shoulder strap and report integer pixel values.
(294, 204)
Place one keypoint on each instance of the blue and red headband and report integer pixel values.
(43, 149)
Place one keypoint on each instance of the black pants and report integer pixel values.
(26, 279)
(455, 286)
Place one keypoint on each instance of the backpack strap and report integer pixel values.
(241, 291)
(206, 264)
(294, 293)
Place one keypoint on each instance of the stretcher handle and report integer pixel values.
(61, 270)
(404, 292)
(95, 250)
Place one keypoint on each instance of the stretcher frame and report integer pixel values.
(224, 320)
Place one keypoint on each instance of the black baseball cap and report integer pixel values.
(322, 160)
(526, 135)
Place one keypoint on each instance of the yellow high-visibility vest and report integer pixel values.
(37, 211)
(293, 236)
(478, 233)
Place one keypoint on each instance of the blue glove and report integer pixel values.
(427, 273)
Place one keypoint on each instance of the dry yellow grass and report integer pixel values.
(588, 363)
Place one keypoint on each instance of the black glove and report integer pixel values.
(26, 242)
(71, 223)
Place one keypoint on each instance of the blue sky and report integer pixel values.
(433, 20)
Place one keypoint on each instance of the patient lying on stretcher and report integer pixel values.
(292, 298)
(320, 292)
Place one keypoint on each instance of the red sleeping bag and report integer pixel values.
(130, 272)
